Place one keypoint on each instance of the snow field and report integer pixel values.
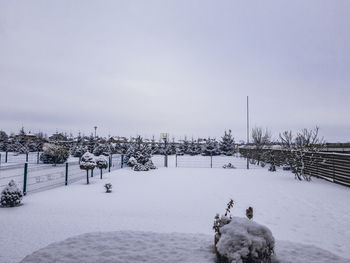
(183, 201)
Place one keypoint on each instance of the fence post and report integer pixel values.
(26, 157)
(211, 161)
(25, 179)
(66, 179)
(92, 172)
(176, 160)
(166, 160)
(109, 164)
(6, 157)
(122, 161)
(37, 158)
(0, 158)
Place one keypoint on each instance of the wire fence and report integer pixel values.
(8, 158)
(199, 161)
(34, 177)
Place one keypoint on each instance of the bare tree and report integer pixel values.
(260, 140)
(301, 150)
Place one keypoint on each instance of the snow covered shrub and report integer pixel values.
(132, 162)
(220, 221)
(245, 241)
(101, 163)
(54, 154)
(140, 167)
(150, 165)
(229, 166)
(249, 212)
(108, 187)
(11, 195)
(79, 150)
(87, 163)
(272, 168)
(139, 150)
(102, 149)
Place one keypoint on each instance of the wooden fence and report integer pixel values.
(333, 167)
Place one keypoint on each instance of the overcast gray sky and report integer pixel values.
(183, 67)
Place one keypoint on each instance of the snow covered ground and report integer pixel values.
(183, 201)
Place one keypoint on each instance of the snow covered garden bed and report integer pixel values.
(166, 201)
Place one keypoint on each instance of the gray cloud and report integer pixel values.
(183, 67)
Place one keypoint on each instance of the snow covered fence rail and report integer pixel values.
(33, 178)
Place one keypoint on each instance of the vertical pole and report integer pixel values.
(37, 158)
(25, 179)
(333, 167)
(176, 160)
(79, 159)
(122, 161)
(211, 161)
(66, 179)
(109, 164)
(6, 157)
(248, 130)
(0, 158)
(26, 157)
(92, 172)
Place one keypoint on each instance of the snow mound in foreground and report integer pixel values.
(128, 246)
(245, 240)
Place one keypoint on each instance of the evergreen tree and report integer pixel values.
(140, 151)
(102, 149)
(91, 143)
(227, 144)
(3, 141)
(211, 148)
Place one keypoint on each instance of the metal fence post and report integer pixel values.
(92, 172)
(166, 160)
(176, 160)
(37, 158)
(66, 178)
(0, 158)
(6, 157)
(211, 161)
(25, 179)
(109, 164)
(122, 161)
(26, 157)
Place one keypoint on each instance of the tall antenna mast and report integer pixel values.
(248, 130)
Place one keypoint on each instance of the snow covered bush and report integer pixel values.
(102, 149)
(150, 165)
(108, 187)
(229, 166)
(79, 150)
(220, 221)
(54, 154)
(101, 163)
(245, 241)
(139, 150)
(11, 195)
(87, 163)
(140, 167)
(132, 162)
